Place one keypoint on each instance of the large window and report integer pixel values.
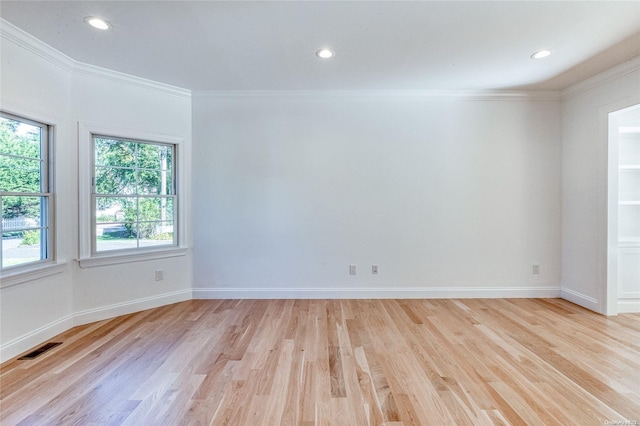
(134, 194)
(25, 193)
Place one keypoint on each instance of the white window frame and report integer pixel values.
(18, 274)
(87, 256)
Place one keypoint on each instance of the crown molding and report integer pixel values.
(604, 77)
(25, 40)
(470, 95)
(119, 77)
(33, 45)
(10, 32)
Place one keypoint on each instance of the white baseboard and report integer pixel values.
(580, 299)
(32, 339)
(23, 343)
(110, 311)
(630, 306)
(377, 293)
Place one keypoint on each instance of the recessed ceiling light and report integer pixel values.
(541, 54)
(98, 23)
(324, 53)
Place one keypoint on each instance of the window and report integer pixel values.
(134, 200)
(25, 193)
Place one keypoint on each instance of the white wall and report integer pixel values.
(35, 87)
(40, 83)
(143, 109)
(449, 196)
(584, 183)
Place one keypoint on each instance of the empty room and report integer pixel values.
(319, 213)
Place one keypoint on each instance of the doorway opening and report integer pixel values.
(624, 211)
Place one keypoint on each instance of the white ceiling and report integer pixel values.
(395, 45)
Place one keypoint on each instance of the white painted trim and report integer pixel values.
(12, 107)
(92, 262)
(377, 293)
(84, 190)
(131, 80)
(10, 32)
(85, 133)
(631, 306)
(470, 95)
(604, 77)
(36, 337)
(581, 299)
(23, 343)
(10, 278)
(28, 42)
(124, 308)
(608, 293)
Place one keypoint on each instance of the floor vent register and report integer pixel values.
(42, 349)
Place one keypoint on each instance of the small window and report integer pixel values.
(25, 193)
(134, 195)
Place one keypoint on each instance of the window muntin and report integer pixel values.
(134, 199)
(25, 193)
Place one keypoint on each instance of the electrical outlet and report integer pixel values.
(374, 269)
(352, 269)
(535, 269)
(159, 275)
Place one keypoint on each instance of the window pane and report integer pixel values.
(169, 159)
(21, 212)
(24, 218)
(19, 174)
(111, 180)
(166, 205)
(21, 247)
(20, 139)
(169, 189)
(109, 215)
(110, 152)
(140, 175)
(162, 234)
(150, 181)
(114, 236)
(113, 206)
(155, 209)
(153, 156)
(114, 217)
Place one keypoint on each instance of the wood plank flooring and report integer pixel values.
(336, 362)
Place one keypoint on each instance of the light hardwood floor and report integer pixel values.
(336, 362)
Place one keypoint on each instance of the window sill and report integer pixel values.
(9, 279)
(105, 260)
